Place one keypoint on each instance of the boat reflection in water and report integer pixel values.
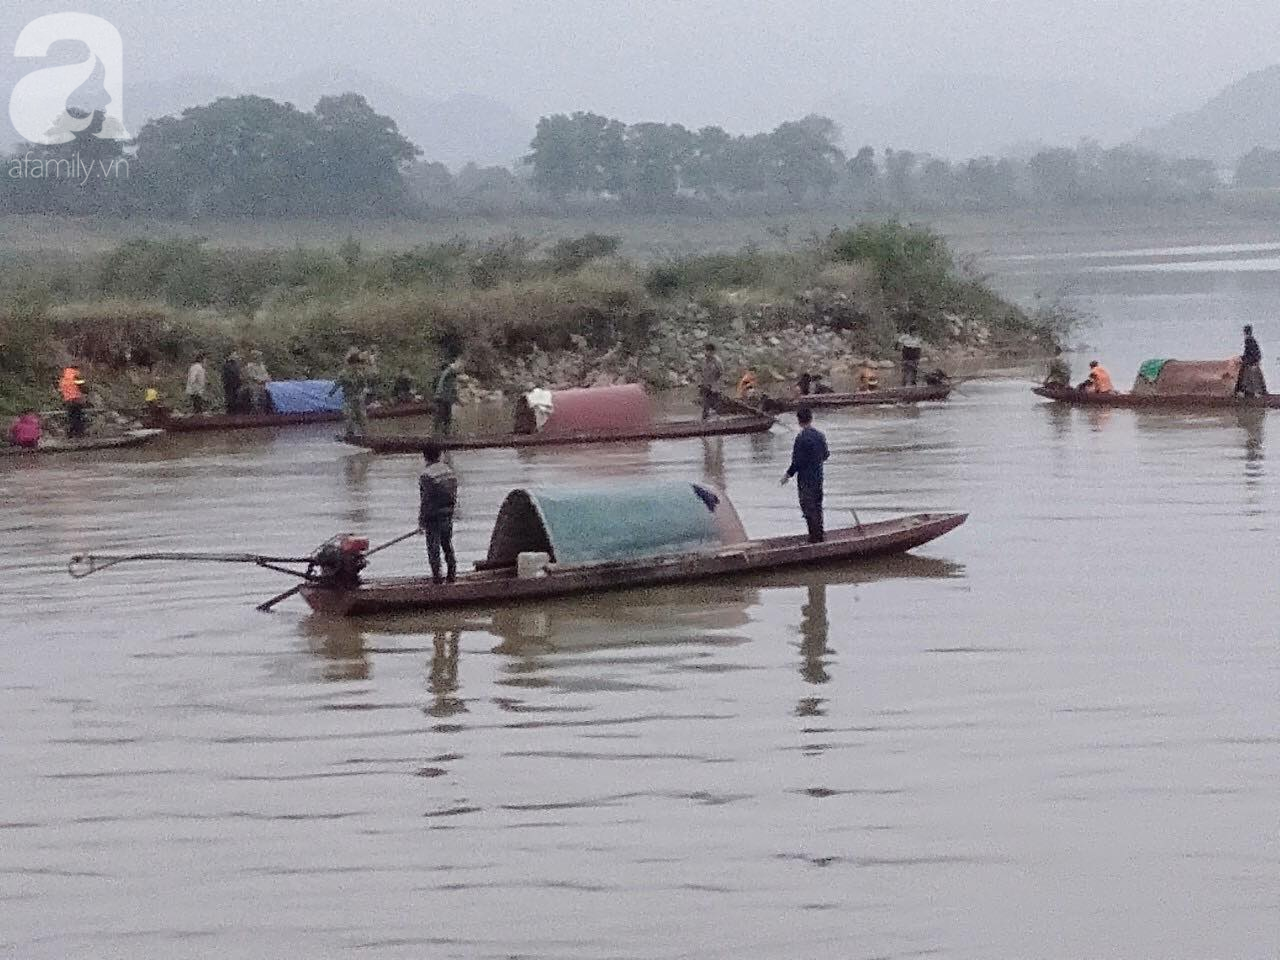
(671, 628)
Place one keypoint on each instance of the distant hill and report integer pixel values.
(1243, 116)
(961, 116)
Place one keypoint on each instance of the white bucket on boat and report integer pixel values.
(532, 565)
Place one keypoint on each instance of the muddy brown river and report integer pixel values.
(1052, 733)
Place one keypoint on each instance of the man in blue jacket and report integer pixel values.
(808, 454)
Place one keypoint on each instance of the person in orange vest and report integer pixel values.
(71, 386)
(868, 379)
(748, 386)
(1099, 380)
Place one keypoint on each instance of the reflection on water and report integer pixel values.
(442, 678)
(813, 634)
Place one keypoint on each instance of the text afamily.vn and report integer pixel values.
(73, 169)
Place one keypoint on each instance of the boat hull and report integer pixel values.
(680, 430)
(503, 587)
(249, 421)
(866, 398)
(135, 438)
(1152, 402)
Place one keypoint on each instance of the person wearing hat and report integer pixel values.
(353, 381)
(71, 387)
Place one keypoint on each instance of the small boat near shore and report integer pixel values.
(670, 430)
(865, 398)
(247, 421)
(134, 438)
(615, 414)
(559, 543)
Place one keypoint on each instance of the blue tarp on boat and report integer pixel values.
(304, 396)
(613, 523)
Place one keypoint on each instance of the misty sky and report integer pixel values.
(746, 64)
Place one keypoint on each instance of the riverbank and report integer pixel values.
(519, 313)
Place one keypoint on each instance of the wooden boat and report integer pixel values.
(817, 401)
(670, 430)
(592, 541)
(246, 421)
(1156, 401)
(134, 438)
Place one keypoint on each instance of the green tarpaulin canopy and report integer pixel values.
(613, 523)
(1150, 370)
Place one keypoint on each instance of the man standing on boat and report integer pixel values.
(353, 381)
(808, 454)
(709, 376)
(912, 349)
(1251, 382)
(445, 396)
(437, 497)
(71, 389)
(232, 382)
(196, 382)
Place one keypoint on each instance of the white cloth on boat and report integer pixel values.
(541, 403)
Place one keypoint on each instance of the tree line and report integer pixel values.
(254, 157)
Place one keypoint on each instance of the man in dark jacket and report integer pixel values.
(1251, 382)
(437, 497)
(232, 381)
(808, 454)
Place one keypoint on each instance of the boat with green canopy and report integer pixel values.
(553, 542)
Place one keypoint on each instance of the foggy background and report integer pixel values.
(468, 81)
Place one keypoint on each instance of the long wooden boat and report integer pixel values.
(863, 398)
(1076, 397)
(246, 421)
(670, 430)
(134, 438)
(504, 586)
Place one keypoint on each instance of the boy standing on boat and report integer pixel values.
(437, 497)
(808, 454)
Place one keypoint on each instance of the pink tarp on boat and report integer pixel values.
(599, 409)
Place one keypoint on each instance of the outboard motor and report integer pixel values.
(339, 561)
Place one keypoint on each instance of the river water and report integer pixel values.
(1052, 733)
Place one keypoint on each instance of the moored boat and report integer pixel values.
(917, 394)
(593, 415)
(134, 438)
(295, 403)
(550, 544)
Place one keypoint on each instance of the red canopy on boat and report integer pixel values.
(599, 409)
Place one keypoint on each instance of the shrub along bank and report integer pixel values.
(575, 313)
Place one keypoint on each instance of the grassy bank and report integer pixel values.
(520, 310)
